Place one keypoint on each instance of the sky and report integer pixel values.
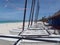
(14, 9)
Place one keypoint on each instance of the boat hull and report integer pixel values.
(2, 42)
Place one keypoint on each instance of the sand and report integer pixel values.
(5, 27)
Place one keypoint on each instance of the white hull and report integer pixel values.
(7, 42)
(11, 41)
(37, 43)
(35, 31)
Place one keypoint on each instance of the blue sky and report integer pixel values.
(14, 9)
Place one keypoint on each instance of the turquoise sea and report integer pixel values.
(12, 21)
(9, 21)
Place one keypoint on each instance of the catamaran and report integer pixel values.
(33, 35)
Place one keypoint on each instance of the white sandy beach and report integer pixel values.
(5, 27)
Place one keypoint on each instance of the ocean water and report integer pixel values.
(12, 21)
(9, 21)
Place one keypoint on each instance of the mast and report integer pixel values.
(33, 11)
(23, 22)
(37, 11)
(30, 13)
(24, 17)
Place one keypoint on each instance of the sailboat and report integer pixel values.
(32, 36)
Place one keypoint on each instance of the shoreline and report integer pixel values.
(12, 21)
(5, 27)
